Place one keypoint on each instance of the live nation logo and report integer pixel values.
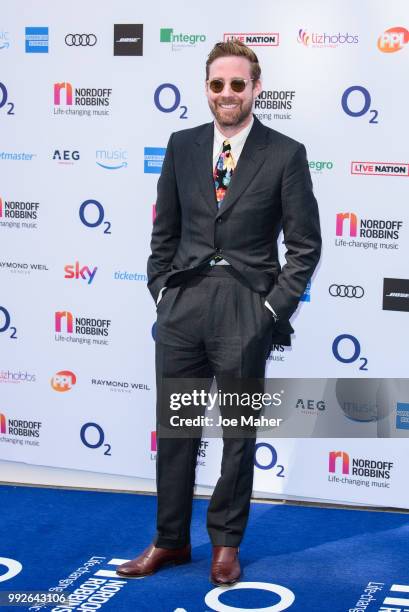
(380, 168)
(254, 39)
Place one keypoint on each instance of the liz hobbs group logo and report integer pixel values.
(81, 101)
(345, 469)
(321, 40)
(81, 329)
(352, 231)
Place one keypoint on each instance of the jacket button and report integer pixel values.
(219, 220)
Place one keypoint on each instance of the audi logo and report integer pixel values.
(80, 40)
(346, 291)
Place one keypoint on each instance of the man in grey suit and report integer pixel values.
(226, 190)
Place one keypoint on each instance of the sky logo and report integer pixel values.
(84, 273)
(58, 87)
(353, 224)
(36, 40)
(66, 316)
(3, 428)
(344, 457)
(153, 160)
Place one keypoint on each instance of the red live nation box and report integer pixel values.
(380, 168)
(254, 39)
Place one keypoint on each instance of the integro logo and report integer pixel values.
(379, 168)
(77, 272)
(348, 224)
(81, 329)
(63, 381)
(321, 40)
(180, 40)
(393, 39)
(254, 39)
(83, 99)
(340, 462)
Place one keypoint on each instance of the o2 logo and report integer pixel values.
(356, 350)
(286, 596)
(94, 443)
(12, 568)
(87, 215)
(170, 102)
(5, 321)
(3, 100)
(267, 459)
(364, 108)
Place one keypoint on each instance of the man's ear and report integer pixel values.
(258, 88)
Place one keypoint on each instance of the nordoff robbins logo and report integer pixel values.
(380, 168)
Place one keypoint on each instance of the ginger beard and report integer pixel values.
(230, 111)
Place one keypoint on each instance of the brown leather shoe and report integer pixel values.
(152, 559)
(225, 569)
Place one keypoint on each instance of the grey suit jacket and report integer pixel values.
(270, 189)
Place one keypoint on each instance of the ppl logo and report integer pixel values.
(3, 429)
(69, 322)
(58, 87)
(63, 381)
(393, 40)
(76, 272)
(342, 457)
(154, 446)
(353, 224)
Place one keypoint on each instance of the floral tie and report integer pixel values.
(223, 172)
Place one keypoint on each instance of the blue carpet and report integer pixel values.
(325, 557)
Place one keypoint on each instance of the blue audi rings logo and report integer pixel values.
(80, 40)
(348, 291)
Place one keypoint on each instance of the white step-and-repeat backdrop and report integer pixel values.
(88, 98)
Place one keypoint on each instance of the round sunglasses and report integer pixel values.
(236, 85)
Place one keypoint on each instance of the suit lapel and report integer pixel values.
(203, 164)
(251, 159)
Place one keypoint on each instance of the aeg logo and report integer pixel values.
(393, 39)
